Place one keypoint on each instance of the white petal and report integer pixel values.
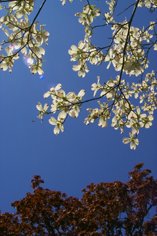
(62, 115)
(47, 94)
(52, 121)
(56, 130)
(81, 93)
(74, 48)
(58, 86)
(39, 107)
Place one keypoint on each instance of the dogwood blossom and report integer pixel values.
(22, 37)
(127, 98)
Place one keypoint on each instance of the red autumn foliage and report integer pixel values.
(109, 209)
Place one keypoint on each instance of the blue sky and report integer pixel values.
(79, 156)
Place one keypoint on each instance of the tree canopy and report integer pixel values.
(111, 209)
(127, 100)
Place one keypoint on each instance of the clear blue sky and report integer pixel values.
(79, 156)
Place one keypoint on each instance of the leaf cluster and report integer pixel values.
(111, 209)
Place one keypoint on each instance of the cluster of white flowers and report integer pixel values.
(148, 3)
(86, 18)
(21, 8)
(84, 53)
(102, 113)
(126, 102)
(66, 104)
(22, 36)
(119, 104)
(127, 51)
(109, 15)
(123, 101)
